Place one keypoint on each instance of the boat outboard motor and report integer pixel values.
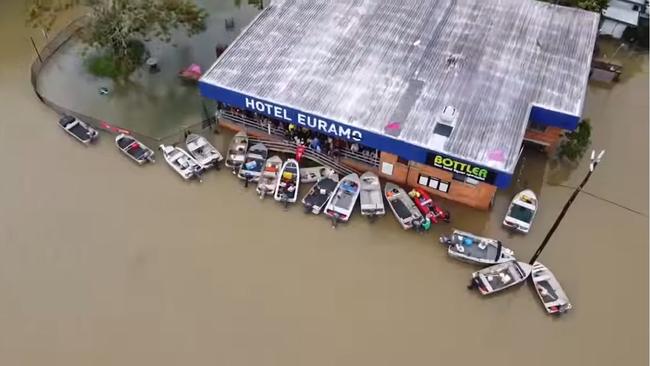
(444, 239)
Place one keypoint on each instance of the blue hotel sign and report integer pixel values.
(304, 119)
(336, 129)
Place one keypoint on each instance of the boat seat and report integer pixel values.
(482, 245)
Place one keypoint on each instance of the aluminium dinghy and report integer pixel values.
(314, 174)
(317, 197)
(134, 149)
(237, 151)
(203, 151)
(550, 292)
(406, 212)
(182, 162)
(269, 177)
(500, 277)
(78, 129)
(341, 203)
(286, 190)
(472, 248)
(254, 161)
(371, 197)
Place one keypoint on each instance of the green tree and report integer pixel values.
(119, 27)
(575, 143)
(591, 5)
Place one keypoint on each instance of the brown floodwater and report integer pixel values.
(106, 263)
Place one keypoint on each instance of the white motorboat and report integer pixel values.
(203, 151)
(134, 149)
(341, 203)
(286, 190)
(251, 169)
(472, 248)
(521, 211)
(269, 177)
(78, 129)
(182, 162)
(237, 151)
(371, 197)
(550, 292)
(314, 174)
(318, 195)
(406, 212)
(500, 276)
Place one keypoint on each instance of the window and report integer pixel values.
(443, 187)
(387, 168)
(458, 177)
(534, 126)
(442, 129)
(433, 183)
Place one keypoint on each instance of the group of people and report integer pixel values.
(316, 141)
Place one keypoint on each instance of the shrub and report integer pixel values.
(575, 143)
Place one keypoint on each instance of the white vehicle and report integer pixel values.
(472, 248)
(182, 162)
(269, 177)
(78, 129)
(286, 189)
(500, 276)
(341, 204)
(134, 149)
(550, 292)
(522, 211)
(237, 151)
(371, 198)
(203, 151)
(254, 161)
(406, 212)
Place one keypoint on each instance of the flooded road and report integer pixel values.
(106, 263)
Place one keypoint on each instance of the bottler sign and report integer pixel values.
(459, 167)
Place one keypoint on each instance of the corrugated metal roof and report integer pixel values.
(626, 16)
(367, 62)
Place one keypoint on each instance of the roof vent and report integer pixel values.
(445, 123)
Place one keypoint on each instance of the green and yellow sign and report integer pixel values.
(460, 167)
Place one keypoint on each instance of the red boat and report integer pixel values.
(428, 208)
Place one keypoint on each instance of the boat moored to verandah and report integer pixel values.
(203, 151)
(134, 149)
(251, 169)
(269, 177)
(472, 248)
(237, 151)
(521, 211)
(286, 189)
(371, 197)
(341, 203)
(315, 173)
(404, 209)
(318, 195)
(182, 162)
(500, 276)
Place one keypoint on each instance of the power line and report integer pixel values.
(605, 200)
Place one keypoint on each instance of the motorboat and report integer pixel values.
(371, 198)
(269, 177)
(251, 169)
(182, 162)
(203, 151)
(134, 149)
(314, 174)
(286, 189)
(406, 213)
(521, 211)
(237, 151)
(550, 292)
(428, 207)
(500, 276)
(318, 195)
(78, 129)
(341, 203)
(472, 248)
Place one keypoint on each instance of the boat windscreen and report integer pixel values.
(521, 213)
